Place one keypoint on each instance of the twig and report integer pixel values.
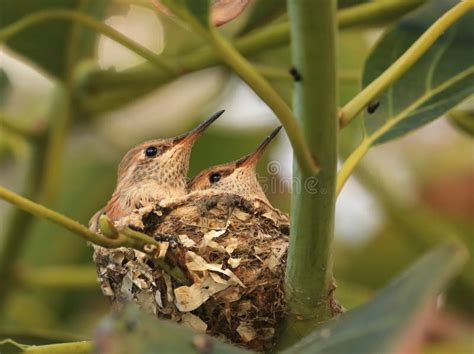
(41, 16)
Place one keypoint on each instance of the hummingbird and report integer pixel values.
(238, 177)
(152, 171)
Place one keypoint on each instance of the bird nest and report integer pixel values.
(232, 252)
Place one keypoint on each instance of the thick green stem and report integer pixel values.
(309, 271)
(405, 62)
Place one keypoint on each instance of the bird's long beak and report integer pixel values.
(193, 135)
(251, 159)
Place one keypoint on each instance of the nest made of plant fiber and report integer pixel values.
(233, 252)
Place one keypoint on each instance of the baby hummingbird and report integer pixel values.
(152, 171)
(237, 177)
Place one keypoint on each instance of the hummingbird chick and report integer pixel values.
(237, 177)
(152, 171)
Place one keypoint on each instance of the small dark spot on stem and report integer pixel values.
(295, 74)
(372, 106)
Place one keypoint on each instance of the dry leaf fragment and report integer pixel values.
(246, 332)
(193, 322)
(198, 264)
(234, 262)
(158, 300)
(186, 241)
(232, 245)
(189, 298)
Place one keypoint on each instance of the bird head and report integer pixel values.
(237, 177)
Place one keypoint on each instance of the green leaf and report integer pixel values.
(347, 3)
(9, 346)
(135, 332)
(53, 43)
(441, 79)
(5, 87)
(262, 12)
(377, 326)
(464, 120)
(199, 9)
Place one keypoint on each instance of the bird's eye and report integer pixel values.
(215, 177)
(151, 151)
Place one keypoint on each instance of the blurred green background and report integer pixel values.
(406, 196)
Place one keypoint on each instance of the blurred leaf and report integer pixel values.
(350, 295)
(179, 40)
(346, 3)
(5, 87)
(50, 43)
(378, 326)
(9, 346)
(441, 79)
(133, 331)
(37, 336)
(463, 120)
(352, 51)
(199, 9)
(262, 12)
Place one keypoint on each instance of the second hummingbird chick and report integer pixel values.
(152, 171)
(237, 177)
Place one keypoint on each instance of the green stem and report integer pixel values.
(28, 131)
(20, 222)
(58, 277)
(126, 237)
(60, 114)
(402, 64)
(273, 73)
(266, 92)
(57, 218)
(308, 275)
(61, 348)
(271, 36)
(376, 12)
(41, 16)
(356, 156)
(278, 73)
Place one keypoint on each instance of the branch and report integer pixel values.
(308, 275)
(376, 12)
(24, 23)
(58, 277)
(84, 347)
(260, 86)
(405, 62)
(144, 78)
(59, 219)
(125, 238)
(27, 131)
(266, 92)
